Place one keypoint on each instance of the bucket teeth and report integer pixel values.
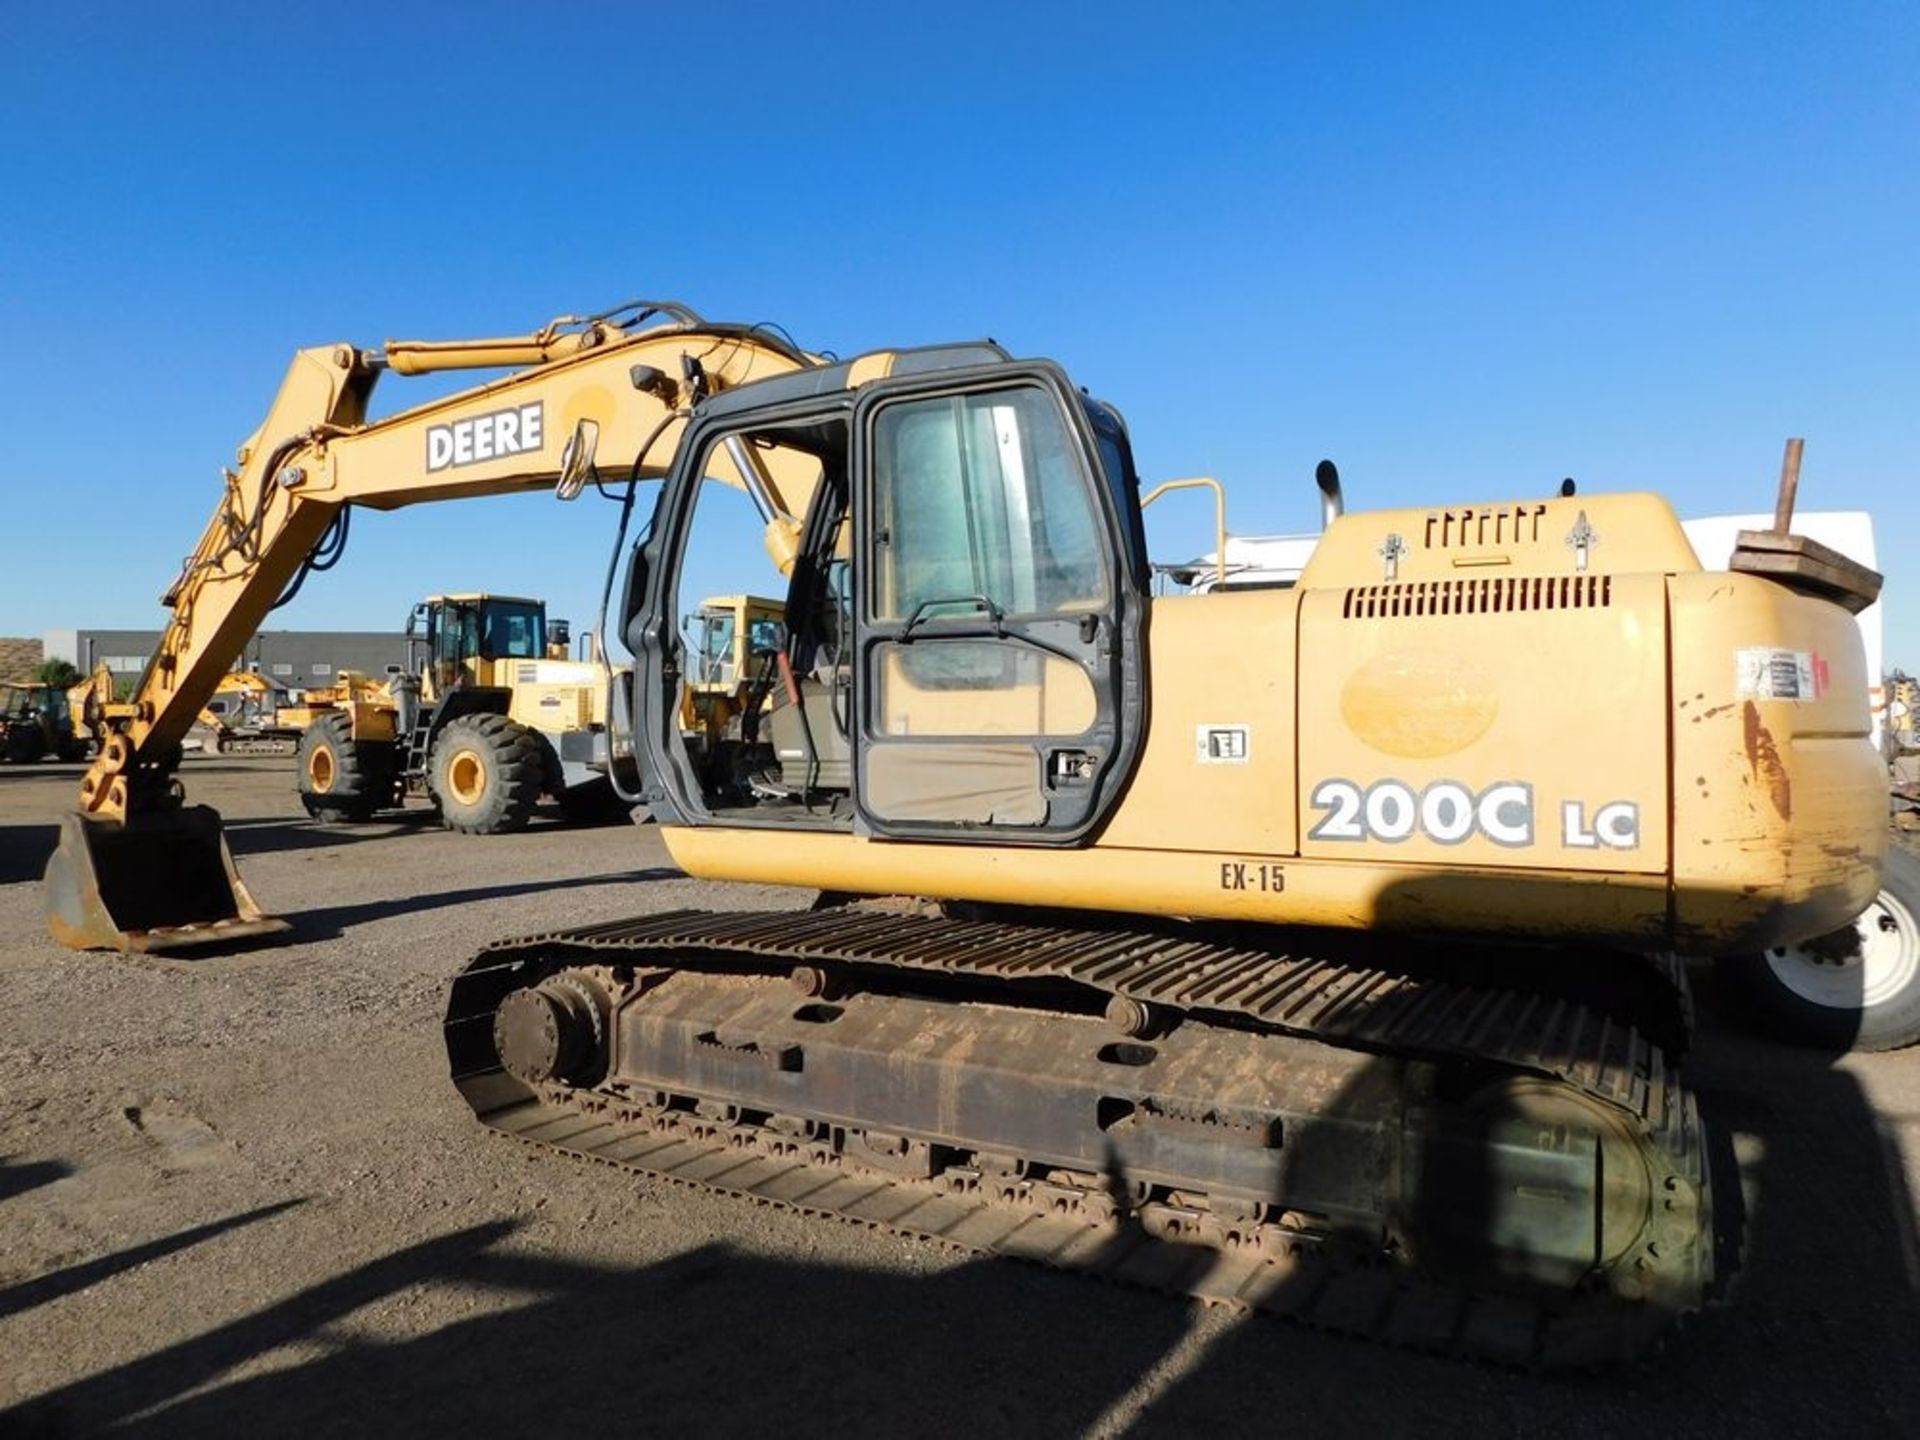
(157, 882)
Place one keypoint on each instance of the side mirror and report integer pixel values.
(576, 460)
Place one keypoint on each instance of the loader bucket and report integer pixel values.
(158, 882)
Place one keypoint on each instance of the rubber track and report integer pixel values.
(1343, 1004)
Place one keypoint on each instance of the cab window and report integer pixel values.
(514, 632)
(981, 497)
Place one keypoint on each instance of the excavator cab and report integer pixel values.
(965, 555)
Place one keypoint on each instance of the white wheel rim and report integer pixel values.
(1881, 966)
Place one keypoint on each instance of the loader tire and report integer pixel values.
(341, 782)
(1858, 989)
(486, 774)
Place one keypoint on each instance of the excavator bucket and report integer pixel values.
(161, 882)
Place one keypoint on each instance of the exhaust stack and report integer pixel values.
(1332, 504)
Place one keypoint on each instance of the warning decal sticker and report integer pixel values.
(1222, 744)
(1764, 673)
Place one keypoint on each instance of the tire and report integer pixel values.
(486, 774)
(1858, 989)
(341, 782)
(25, 744)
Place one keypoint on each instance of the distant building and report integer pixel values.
(18, 656)
(295, 659)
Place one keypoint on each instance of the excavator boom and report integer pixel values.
(135, 868)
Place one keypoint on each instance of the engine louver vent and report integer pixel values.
(1478, 527)
(1478, 597)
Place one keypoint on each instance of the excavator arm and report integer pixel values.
(138, 869)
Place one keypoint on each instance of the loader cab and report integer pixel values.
(731, 639)
(472, 640)
(965, 586)
(16, 702)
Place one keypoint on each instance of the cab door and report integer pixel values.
(998, 612)
(453, 639)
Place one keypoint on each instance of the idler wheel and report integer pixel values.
(550, 1032)
(1534, 1188)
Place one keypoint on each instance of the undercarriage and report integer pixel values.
(1455, 1156)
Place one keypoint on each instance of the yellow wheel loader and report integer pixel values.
(1334, 985)
(496, 717)
(734, 645)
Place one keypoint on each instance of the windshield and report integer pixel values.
(982, 504)
(513, 631)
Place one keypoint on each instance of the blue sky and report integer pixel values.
(1463, 250)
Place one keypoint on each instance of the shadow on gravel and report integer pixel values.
(267, 837)
(24, 850)
(711, 1342)
(30, 1293)
(236, 765)
(18, 1179)
(1816, 1338)
(189, 768)
(327, 924)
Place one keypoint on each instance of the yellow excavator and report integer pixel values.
(249, 715)
(1306, 950)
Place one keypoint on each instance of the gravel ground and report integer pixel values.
(239, 1193)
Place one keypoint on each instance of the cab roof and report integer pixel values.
(477, 597)
(842, 375)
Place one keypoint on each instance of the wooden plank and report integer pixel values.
(1805, 564)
